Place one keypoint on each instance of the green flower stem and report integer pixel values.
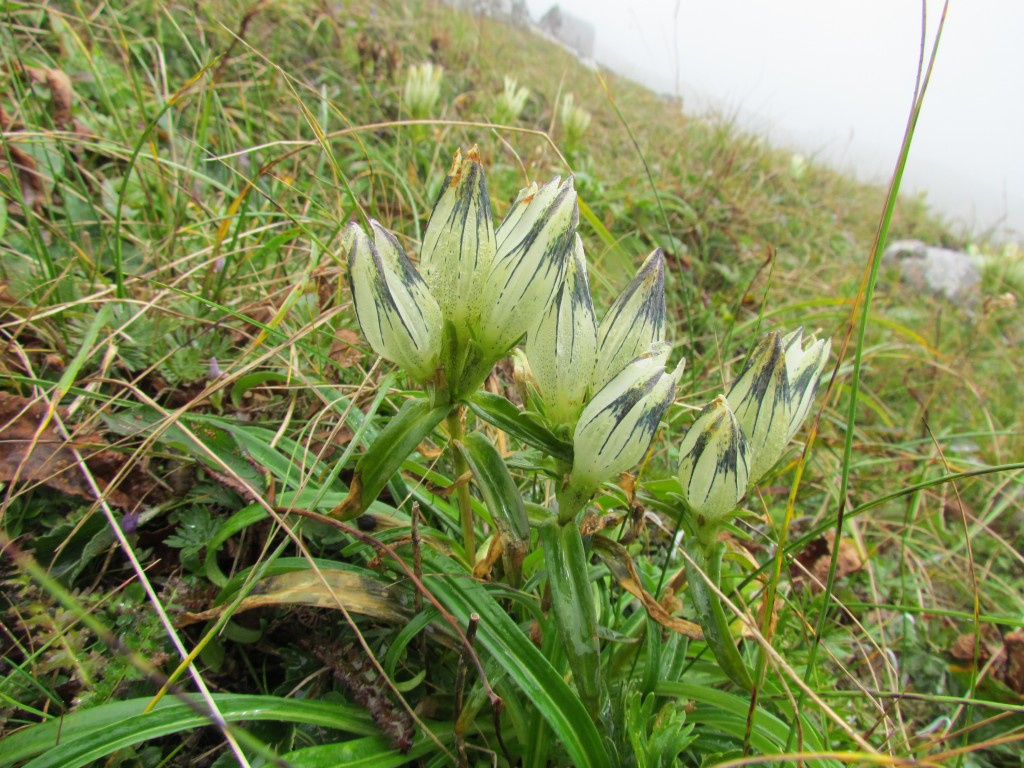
(456, 431)
(570, 501)
(573, 609)
(708, 559)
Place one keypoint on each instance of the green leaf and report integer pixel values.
(729, 713)
(406, 430)
(81, 737)
(710, 612)
(502, 498)
(251, 381)
(496, 410)
(368, 752)
(572, 603)
(238, 522)
(540, 683)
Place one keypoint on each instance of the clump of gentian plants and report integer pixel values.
(595, 393)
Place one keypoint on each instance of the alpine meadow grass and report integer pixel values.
(344, 426)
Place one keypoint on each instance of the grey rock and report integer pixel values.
(951, 274)
(575, 33)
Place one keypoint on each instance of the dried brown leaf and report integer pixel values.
(620, 564)
(61, 96)
(816, 559)
(33, 189)
(34, 452)
(1013, 645)
(346, 349)
(354, 592)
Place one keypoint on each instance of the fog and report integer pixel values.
(835, 80)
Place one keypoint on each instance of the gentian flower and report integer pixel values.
(562, 350)
(618, 423)
(804, 367)
(713, 463)
(399, 316)
(773, 394)
(634, 321)
(480, 289)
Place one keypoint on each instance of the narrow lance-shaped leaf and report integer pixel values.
(634, 321)
(399, 317)
(533, 248)
(617, 425)
(527, 668)
(713, 465)
(573, 605)
(562, 350)
(458, 245)
(385, 456)
(704, 568)
(499, 412)
(503, 500)
(761, 401)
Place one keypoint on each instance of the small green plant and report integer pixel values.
(601, 390)
(511, 102)
(574, 122)
(422, 90)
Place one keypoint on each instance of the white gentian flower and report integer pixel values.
(533, 247)
(618, 424)
(760, 398)
(575, 120)
(511, 101)
(562, 349)
(399, 317)
(714, 467)
(773, 394)
(482, 288)
(458, 245)
(803, 369)
(422, 89)
(634, 321)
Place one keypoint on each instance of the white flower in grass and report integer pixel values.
(533, 248)
(422, 89)
(618, 423)
(562, 350)
(481, 289)
(634, 321)
(713, 464)
(511, 101)
(773, 394)
(399, 316)
(458, 245)
(761, 401)
(804, 367)
(575, 120)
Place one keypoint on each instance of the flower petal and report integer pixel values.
(634, 321)
(534, 244)
(803, 372)
(458, 245)
(400, 319)
(562, 349)
(714, 467)
(760, 399)
(617, 425)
